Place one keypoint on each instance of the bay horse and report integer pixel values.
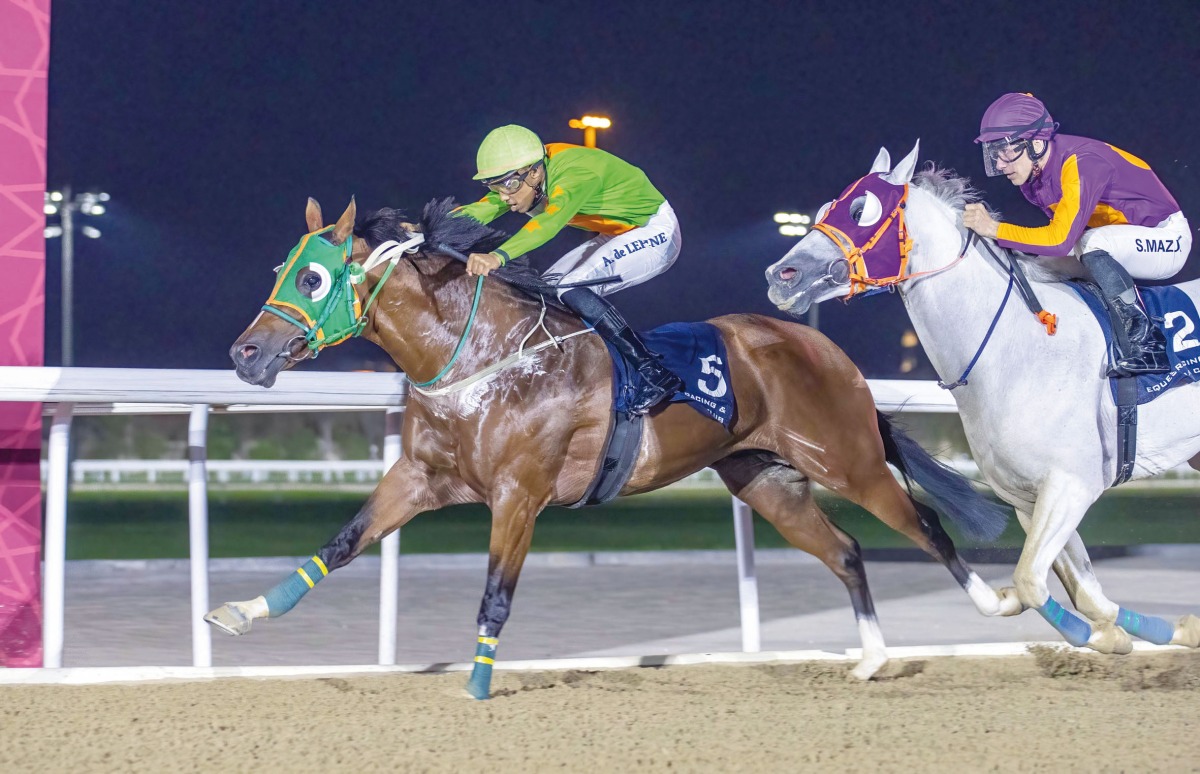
(531, 435)
(1037, 409)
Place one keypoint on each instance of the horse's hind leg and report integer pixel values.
(878, 492)
(1074, 569)
(405, 491)
(784, 497)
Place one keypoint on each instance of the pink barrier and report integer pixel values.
(24, 63)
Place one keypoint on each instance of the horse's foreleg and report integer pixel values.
(403, 493)
(1061, 505)
(784, 497)
(514, 510)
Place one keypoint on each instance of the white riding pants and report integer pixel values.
(1146, 252)
(637, 255)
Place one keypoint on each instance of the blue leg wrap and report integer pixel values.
(284, 597)
(1074, 629)
(1148, 627)
(480, 684)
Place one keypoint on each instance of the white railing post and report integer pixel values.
(55, 560)
(389, 551)
(198, 532)
(743, 537)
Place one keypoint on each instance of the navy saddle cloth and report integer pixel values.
(1175, 315)
(694, 351)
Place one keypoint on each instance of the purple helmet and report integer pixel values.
(1008, 129)
(1016, 116)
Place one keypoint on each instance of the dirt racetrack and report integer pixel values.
(1056, 711)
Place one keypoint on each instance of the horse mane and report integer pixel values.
(956, 192)
(948, 187)
(444, 227)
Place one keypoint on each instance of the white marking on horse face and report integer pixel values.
(326, 281)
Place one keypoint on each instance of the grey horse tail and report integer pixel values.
(978, 517)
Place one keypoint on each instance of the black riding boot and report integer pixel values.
(658, 383)
(1141, 348)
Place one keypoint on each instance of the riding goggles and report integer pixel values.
(1006, 150)
(510, 183)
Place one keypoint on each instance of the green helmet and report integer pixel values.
(506, 149)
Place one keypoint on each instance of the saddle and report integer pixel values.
(694, 351)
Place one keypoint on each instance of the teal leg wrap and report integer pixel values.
(480, 684)
(1074, 629)
(1147, 627)
(284, 596)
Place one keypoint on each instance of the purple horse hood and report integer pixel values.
(867, 223)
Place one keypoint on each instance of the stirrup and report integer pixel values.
(1143, 361)
(650, 394)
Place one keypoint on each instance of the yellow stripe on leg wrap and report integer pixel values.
(304, 575)
(321, 566)
(484, 660)
(493, 641)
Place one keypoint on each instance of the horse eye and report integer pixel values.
(308, 282)
(856, 208)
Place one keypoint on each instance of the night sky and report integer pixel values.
(210, 122)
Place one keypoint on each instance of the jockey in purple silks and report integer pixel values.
(1106, 207)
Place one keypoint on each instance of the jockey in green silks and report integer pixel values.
(558, 185)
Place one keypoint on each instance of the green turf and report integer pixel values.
(153, 524)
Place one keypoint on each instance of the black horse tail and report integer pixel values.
(978, 517)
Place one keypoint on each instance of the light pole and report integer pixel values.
(797, 224)
(589, 125)
(63, 204)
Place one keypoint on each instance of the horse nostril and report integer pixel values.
(247, 353)
(787, 275)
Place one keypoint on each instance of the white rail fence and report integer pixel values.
(197, 393)
(346, 472)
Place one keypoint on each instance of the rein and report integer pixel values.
(521, 353)
(862, 283)
(1014, 276)
(461, 339)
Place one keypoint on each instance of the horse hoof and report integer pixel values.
(1187, 632)
(229, 619)
(1107, 638)
(868, 667)
(1010, 603)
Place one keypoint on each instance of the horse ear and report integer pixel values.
(312, 215)
(883, 162)
(903, 172)
(345, 224)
